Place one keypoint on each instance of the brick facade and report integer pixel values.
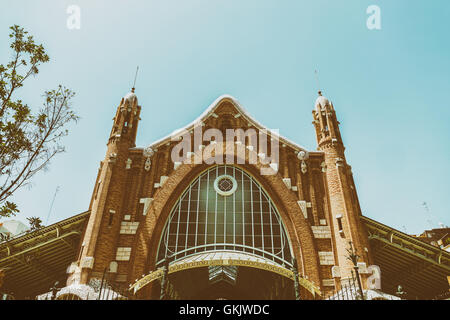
(137, 187)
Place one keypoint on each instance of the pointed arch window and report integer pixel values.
(225, 209)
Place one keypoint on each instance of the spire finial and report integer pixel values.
(317, 79)
(135, 76)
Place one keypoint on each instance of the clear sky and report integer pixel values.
(390, 86)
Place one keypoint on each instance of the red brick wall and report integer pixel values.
(121, 190)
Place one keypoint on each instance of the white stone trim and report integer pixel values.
(328, 282)
(326, 258)
(87, 262)
(302, 205)
(210, 111)
(287, 182)
(113, 265)
(128, 227)
(123, 253)
(163, 179)
(321, 232)
(146, 202)
(362, 268)
(335, 272)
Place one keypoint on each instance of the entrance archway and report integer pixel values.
(225, 232)
(152, 231)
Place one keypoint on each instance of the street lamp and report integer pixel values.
(165, 279)
(353, 257)
(400, 293)
(55, 289)
(296, 284)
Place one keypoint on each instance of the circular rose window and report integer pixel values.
(225, 185)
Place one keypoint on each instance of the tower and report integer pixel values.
(345, 211)
(104, 221)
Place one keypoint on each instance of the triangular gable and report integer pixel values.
(210, 112)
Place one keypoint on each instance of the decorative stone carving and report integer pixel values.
(339, 162)
(304, 167)
(324, 166)
(147, 164)
(112, 158)
(302, 156)
(148, 153)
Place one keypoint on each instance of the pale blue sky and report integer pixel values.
(389, 87)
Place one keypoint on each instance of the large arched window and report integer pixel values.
(225, 209)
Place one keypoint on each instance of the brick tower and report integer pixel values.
(345, 211)
(105, 206)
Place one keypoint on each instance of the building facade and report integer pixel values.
(223, 208)
(228, 214)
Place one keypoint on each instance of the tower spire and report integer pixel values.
(344, 212)
(135, 76)
(317, 80)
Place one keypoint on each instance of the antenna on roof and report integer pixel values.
(317, 80)
(430, 222)
(51, 206)
(135, 76)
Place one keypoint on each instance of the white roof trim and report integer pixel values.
(211, 109)
(225, 255)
